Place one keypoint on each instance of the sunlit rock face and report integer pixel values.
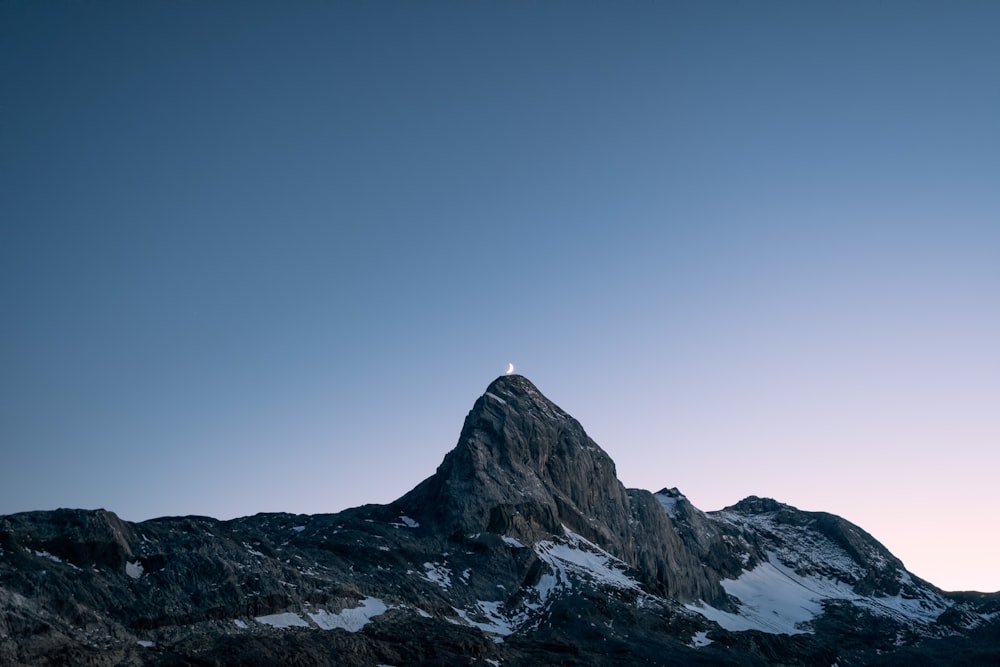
(522, 548)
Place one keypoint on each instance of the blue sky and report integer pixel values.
(260, 257)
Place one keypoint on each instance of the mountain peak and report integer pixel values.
(525, 395)
(512, 380)
(523, 468)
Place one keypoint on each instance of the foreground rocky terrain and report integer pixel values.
(522, 549)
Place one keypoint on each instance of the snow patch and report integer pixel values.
(776, 599)
(669, 504)
(405, 522)
(46, 554)
(582, 557)
(439, 574)
(773, 599)
(298, 529)
(352, 619)
(240, 624)
(494, 624)
(145, 643)
(491, 617)
(700, 639)
(285, 620)
(134, 570)
(512, 541)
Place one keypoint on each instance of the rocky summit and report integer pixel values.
(523, 548)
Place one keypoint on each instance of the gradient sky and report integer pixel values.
(265, 256)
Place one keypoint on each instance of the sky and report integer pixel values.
(261, 257)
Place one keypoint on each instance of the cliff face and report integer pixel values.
(522, 548)
(526, 469)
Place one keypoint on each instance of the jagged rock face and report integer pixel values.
(523, 467)
(523, 548)
(526, 469)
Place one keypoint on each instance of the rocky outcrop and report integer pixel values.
(522, 548)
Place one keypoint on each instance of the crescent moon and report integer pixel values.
(510, 368)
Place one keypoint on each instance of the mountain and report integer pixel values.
(523, 548)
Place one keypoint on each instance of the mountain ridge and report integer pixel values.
(522, 547)
(515, 438)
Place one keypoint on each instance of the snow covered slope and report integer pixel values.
(814, 560)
